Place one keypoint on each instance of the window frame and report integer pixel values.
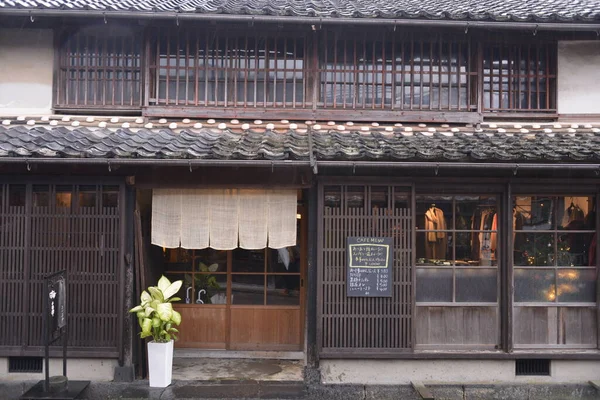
(126, 65)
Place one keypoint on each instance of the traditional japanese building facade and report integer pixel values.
(237, 147)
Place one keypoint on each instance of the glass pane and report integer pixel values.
(573, 249)
(536, 285)
(247, 289)
(355, 197)
(87, 199)
(110, 196)
(475, 212)
(575, 213)
(577, 285)
(41, 195)
(333, 196)
(210, 260)
(16, 195)
(537, 212)
(177, 259)
(434, 212)
(284, 260)
(63, 196)
(434, 248)
(534, 249)
(434, 284)
(476, 285)
(209, 289)
(248, 260)
(283, 290)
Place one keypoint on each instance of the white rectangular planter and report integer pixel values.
(160, 363)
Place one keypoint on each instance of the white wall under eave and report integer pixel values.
(578, 86)
(26, 66)
(403, 372)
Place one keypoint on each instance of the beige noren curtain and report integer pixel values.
(224, 218)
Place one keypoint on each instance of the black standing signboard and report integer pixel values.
(369, 267)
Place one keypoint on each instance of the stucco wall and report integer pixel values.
(399, 372)
(26, 63)
(579, 77)
(77, 368)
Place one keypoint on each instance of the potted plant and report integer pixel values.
(158, 319)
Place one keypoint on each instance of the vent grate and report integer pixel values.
(529, 367)
(25, 364)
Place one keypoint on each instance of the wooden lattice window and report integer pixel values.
(99, 69)
(396, 71)
(519, 77)
(228, 69)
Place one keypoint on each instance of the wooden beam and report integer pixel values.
(422, 390)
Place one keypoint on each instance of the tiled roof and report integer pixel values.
(497, 10)
(291, 141)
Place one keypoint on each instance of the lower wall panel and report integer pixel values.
(253, 328)
(457, 326)
(403, 372)
(96, 369)
(202, 326)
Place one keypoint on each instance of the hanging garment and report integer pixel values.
(435, 245)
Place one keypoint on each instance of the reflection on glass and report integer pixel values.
(283, 290)
(110, 196)
(576, 285)
(210, 260)
(209, 289)
(16, 195)
(537, 212)
(41, 196)
(573, 249)
(434, 284)
(247, 289)
(178, 259)
(534, 249)
(248, 260)
(576, 213)
(476, 285)
(433, 248)
(470, 212)
(87, 199)
(535, 285)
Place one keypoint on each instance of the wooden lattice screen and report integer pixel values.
(47, 228)
(361, 324)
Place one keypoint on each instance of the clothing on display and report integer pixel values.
(436, 243)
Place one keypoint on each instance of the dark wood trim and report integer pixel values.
(598, 264)
(413, 257)
(320, 213)
(495, 115)
(311, 287)
(308, 114)
(506, 301)
(27, 262)
(579, 117)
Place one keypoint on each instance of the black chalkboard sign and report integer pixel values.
(369, 267)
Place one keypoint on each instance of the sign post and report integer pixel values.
(55, 328)
(369, 272)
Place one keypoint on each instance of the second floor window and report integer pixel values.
(208, 68)
(396, 71)
(99, 70)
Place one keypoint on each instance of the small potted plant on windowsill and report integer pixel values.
(158, 320)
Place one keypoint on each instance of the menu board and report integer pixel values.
(369, 267)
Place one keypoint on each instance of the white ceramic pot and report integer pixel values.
(160, 363)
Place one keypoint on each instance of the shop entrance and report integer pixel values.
(241, 299)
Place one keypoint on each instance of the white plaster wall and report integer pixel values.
(578, 83)
(389, 372)
(26, 66)
(77, 369)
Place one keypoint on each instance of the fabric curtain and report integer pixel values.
(166, 217)
(282, 218)
(252, 219)
(195, 229)
(224, 218)
(223, 210)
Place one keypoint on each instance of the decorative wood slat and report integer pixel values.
(68, 230)
(364, 323)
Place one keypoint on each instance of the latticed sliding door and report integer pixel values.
(47, 228)
(364, 324)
